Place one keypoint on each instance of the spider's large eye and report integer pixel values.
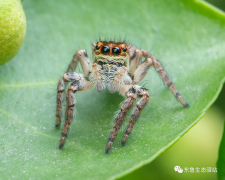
(116, 51)
(105, 50)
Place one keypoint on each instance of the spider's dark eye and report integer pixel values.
(97, 47)
(105, 50)
(116, 51)
(124, 49)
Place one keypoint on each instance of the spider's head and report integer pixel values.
(111, 52)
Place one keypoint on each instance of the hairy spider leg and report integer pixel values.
(123, 79)
(143, 68)
(79, 85)
(127, 105)
(135, 59)
(60, 99)
(141, 92)
(82, 57)
(79, 56)
(67, 77)
(162, 73)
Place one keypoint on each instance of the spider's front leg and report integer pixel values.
(77, 85)
(67, 77)
(79, 56)
(143, 94)
(131, 98)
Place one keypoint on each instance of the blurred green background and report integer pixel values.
(198, 148)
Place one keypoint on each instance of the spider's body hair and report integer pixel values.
(109, 70)
(118, 67)
(109, 76)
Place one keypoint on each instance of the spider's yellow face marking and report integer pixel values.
(111, 52)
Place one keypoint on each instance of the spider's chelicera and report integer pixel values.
(118, 67)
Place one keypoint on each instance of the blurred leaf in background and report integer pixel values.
(188, 38)
(220, 4)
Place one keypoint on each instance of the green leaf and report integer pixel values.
(187, 37)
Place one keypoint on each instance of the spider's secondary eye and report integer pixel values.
(116, 51)
(105, 50)
(124, 49)
(97, 47)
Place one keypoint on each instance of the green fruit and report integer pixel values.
(12, 29)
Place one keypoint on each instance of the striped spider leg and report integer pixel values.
(131, 92)
(118, 67)
(80, 82)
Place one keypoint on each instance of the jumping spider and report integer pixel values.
(118, 67)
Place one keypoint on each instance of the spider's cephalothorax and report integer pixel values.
(118, 67)
(110, 64)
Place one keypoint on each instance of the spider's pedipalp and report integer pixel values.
(121, 78)
(97, 77)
